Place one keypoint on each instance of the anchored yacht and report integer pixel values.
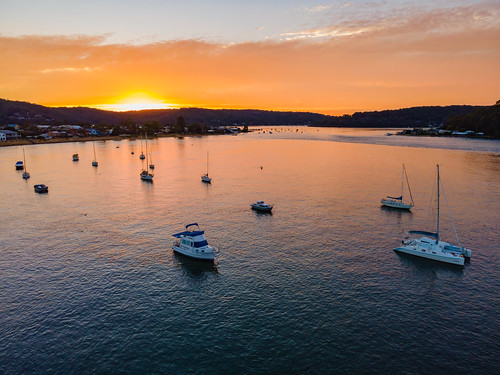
(193, 243)
(431, 247)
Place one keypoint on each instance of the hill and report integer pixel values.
(483, 119)
(23, 113)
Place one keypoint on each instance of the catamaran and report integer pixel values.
(94, 163)
(205, 177)
(26, 175)
(397, 202)
(431, 247)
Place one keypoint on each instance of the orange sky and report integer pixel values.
(433, 58)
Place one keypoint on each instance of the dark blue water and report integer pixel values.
(89, 283)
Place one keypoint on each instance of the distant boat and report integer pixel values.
(94, 163)
(142, 157)
(26, 175)
(151, 165)
(261, 206)
(145, 175)
(76, 157)
(431, 246)
(397, 202)
(193, 243)
(41, 188)
(205, 177)
(19, 165)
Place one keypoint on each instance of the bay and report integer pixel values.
(89, 282)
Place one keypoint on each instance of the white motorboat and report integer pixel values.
(26, 174)
(261, 206)
(193, 243)
(397, 202)
(94, 163)
(205, 177)
(431, 247)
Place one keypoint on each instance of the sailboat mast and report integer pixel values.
(207, 163)
(147, 159)
(437, 231)
(93, 144)
(402, 182)
(24, 158)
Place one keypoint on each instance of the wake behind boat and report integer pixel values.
(431, 247)
(397, 202)
(193, 243)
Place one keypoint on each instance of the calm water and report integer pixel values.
(89, 283)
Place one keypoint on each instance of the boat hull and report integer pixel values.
(208, 256)
(432, 252)
(262, 209)
(40, 189)
(395, 204)
(206, 179)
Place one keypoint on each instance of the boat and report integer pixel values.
(145, 174)
(431, 247)
(142, 157)
(41, 188)
(19, 165)
(26, 174)
(205, 177)
(397, 202)
(193, 243)
(151, 165)
(261, 206)
(94, 163)
(76, 157)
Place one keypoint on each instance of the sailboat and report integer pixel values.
(151, 165)
(431, 247)
(397, 202)
(94, 163)
(26, 175)
(205, 177)
(145, 175)
(142, 157)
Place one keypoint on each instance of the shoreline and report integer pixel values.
(24, 141)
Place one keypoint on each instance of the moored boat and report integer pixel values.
(76, 157)
(145, 174)
(94, 162)
(193, 243)
(261, 206)
(41, 188)
(205, 177)
(26, 174)
(431, 247)
(19, 165)
(397, 202)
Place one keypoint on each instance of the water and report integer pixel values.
(89, 283)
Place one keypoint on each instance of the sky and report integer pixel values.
(331, 57)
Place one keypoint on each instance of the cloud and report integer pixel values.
(424, 58)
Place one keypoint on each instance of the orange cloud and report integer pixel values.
(435, 58)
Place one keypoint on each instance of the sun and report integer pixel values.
(136, 102)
